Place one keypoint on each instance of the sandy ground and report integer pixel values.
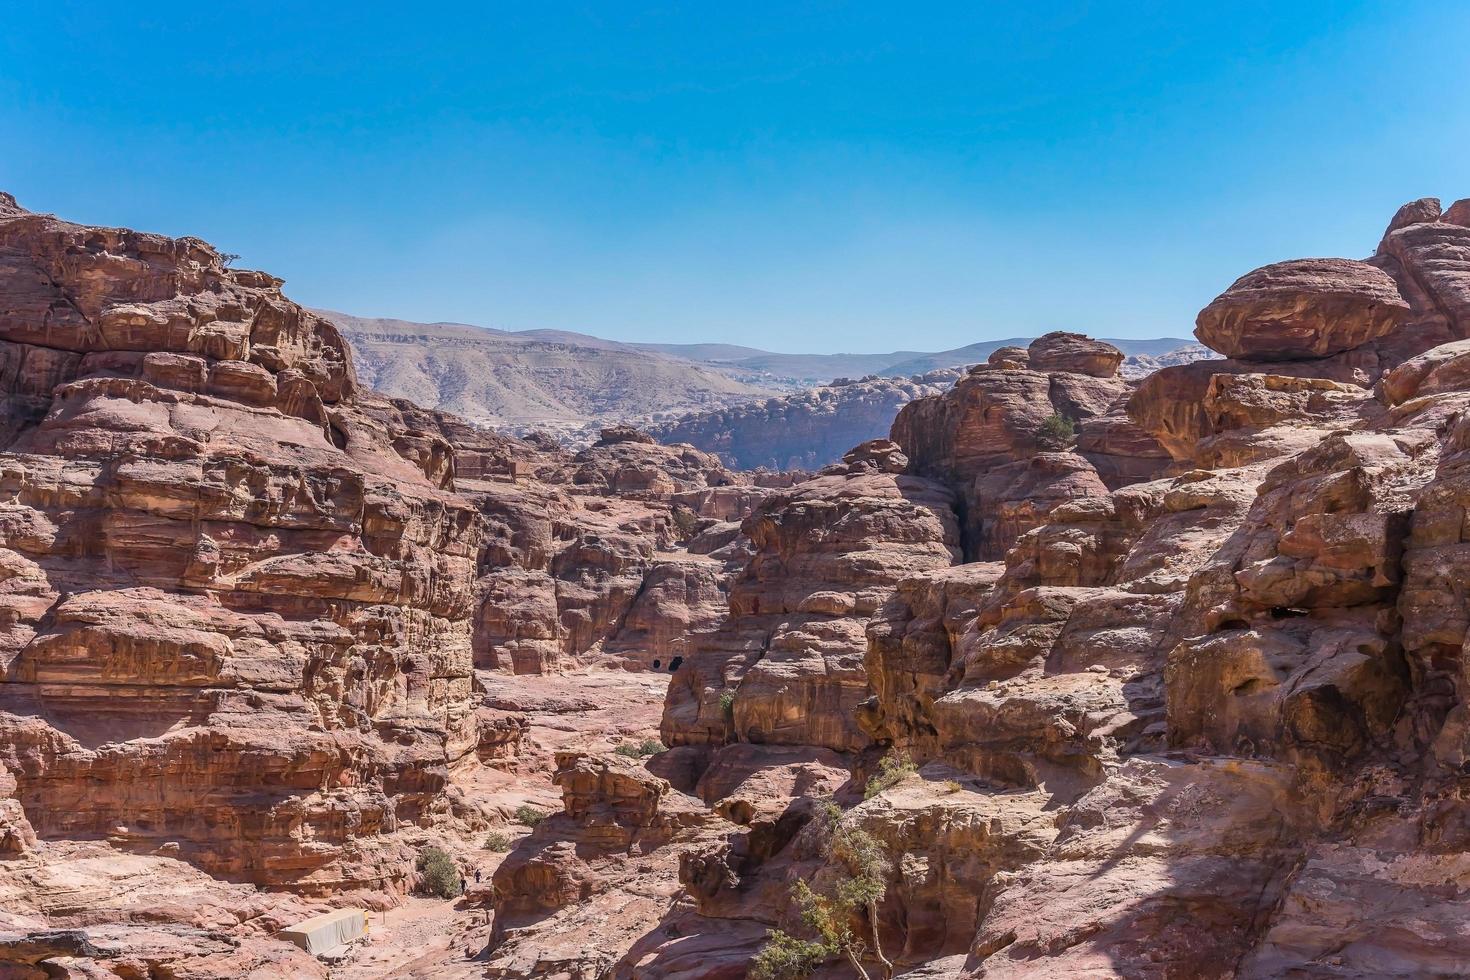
(423, 938)
(596, 710)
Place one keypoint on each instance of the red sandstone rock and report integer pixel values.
(1445, 368)
(1282, 615)
(236, 588)
(567, 898)
(1119, 449)
(16, 835)
(828, 554)
(1073, 353)
(1301, 309)
(978, 436)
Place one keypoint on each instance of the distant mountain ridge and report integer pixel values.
(571, 384)
(814, 369)
(560, 382)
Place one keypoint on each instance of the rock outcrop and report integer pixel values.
(1307, 308)
(592, 559)
(988, 437)
(238, 617)
(1073, 353)
(1329, 319)
(568, 899)
(786, 666)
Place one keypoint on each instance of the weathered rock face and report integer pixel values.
(245, 598)
(1296, 656)
(1012, 499)
(914, 641)
(1332, 319)
(1159, 871)
(447, 448)
(568, 899)
(1015, 357)
(1073, 353)
(238, 611)
(876, 455)
(1119, 449)
(806, 430)
(1203, 715)
(587, 565)
(786, 667)
(1424, 251)
(986, 437)
(1441, 369)
(629, 463)
(679, 600)
(1211, 724)
(16, 835)
(1262, 416)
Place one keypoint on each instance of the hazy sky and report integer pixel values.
(798, 176)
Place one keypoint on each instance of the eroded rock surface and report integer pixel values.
(238, 613)
(988, 437)
(1300, 309)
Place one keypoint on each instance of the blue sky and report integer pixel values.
(798, 176)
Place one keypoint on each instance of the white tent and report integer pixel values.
(326, 932)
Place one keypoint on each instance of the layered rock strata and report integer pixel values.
(1183, 697)
(991, 437)
(238, 613)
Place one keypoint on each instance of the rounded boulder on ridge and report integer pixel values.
(1074, 353)
(1302, 309)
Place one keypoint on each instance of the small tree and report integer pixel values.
(784, 957)
(228, 259)
(438, 874)
(529, 815)
(497, 842)
(638, 750)
(852, 895)
(893, 769)
(1055, 432)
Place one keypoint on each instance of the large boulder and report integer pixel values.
(1074, 353)
(1302, 309)
(1439, 369)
